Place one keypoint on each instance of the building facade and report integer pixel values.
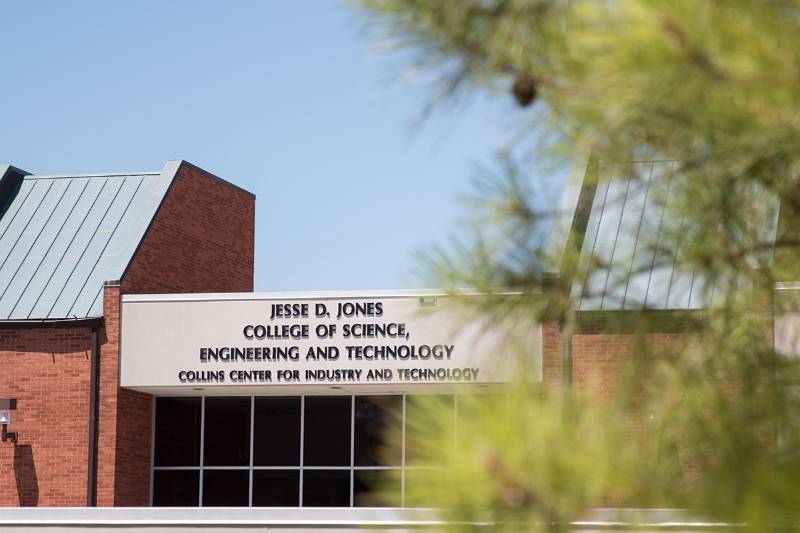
(147, 372)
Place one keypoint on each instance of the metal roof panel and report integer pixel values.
(71, 240)
(627, 236)
(90, 279)
(604, 243)
(21, 279)
(633, 237)
(61, 237)
(645, 249)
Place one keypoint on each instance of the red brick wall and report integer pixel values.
(123, 461)
(202, 240)
(47, 370)
(597, 356)
(597, 360)
(552, 356)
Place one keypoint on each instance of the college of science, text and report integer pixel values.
(338, 375)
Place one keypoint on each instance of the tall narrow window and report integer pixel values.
(378, 430)
(327, 431)
(424, 430)
(177, 432)
(227, 432)
(277, 431)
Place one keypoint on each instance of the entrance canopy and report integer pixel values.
(305, 343)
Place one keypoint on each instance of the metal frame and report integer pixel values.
(303, 295)
(202, 451)
(252, 440)
(302, 446)
(301, 467)
(260, 519)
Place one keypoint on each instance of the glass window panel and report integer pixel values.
(421, 486)
(227, 432)
(176, 488)
(376, 488)
(472, 408)
(430, 424)
(177, 432)
(277, 432)
(226, 488)
(326, 488)
(327, 431)
(276, 488)
(378, 430)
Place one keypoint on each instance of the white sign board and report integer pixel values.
(264, 341)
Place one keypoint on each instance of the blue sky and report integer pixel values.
(287, 99)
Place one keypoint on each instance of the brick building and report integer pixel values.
(70, 247)
(147, 372)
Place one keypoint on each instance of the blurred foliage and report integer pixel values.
(709, 421)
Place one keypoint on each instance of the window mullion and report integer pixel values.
(352, 445)
(302, 440)
(403, 455)
(202, 445)
(252, 451)
(152, 447)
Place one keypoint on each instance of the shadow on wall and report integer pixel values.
(25, 475)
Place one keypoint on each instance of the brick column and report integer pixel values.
(123, 461)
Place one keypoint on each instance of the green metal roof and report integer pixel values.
(629, 239)
(61, 237)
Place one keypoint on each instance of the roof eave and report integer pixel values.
(29, 323)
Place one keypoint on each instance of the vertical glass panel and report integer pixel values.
(277, 432)
(430, 426)
(378, 430)
(376, 488)
(420, 487)
(226, 488)
(177, 432)
(473, 408)
(327, 431)
(227, 432)
(176, 488)
(276, 488)
(326, 488)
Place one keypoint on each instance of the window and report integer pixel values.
(274, 451)
(226, 488)
(276, 488)
(177, 442)
(227, 432)
(326, 440)
(277, 432)
(176, 488)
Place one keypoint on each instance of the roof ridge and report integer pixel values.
(94, 175)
